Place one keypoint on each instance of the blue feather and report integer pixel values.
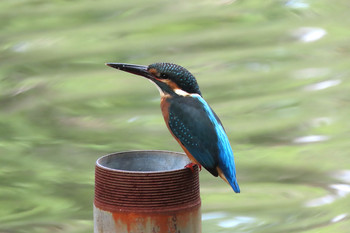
(226, 160)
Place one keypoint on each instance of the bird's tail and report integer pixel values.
(232, 182)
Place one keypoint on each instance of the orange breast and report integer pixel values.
(164, 105)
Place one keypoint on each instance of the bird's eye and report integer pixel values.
(162, 76)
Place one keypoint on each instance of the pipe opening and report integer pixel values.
(144, 161)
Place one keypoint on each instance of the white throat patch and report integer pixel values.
(181, 92)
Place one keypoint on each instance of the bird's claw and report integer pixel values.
(191, 166)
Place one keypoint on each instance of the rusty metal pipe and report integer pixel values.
(146, 192)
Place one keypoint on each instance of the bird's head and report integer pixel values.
(171, 79)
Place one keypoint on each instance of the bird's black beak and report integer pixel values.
(130, 68)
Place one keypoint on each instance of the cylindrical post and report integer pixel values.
(146, 192)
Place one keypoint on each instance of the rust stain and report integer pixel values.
(179, 222)
(146, 191)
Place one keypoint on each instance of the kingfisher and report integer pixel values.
(189, 118)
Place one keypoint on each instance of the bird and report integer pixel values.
(189, 118)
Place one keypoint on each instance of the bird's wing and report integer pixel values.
(191, 125)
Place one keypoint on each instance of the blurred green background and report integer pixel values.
(276, 72)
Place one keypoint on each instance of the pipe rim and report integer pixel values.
(98, 164)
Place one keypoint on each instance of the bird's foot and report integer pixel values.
(191, 166)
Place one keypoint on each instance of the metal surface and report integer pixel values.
(146, 191)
